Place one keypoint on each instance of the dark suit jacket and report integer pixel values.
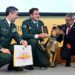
(70, 38)
(7, 33)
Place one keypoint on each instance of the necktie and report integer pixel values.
(68, 31)
(10, 24)
(36, 24)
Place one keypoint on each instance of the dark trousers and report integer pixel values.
(67, 53)
(40, 58)
(4, 59)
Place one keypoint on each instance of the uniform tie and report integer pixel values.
(36, 23)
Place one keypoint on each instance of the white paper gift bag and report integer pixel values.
(22, 55)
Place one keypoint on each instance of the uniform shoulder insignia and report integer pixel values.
(4, 29)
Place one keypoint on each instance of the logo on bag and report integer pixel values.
(24, 56)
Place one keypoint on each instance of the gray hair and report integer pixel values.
(70, 15)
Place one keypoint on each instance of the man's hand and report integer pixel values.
(4, 50)
(43, 35)
(24, 43)
(43, 43)
(59, 32)
(68, 46)
(46, 35)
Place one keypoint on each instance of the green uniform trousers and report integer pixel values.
(4, 58)
(40, 58)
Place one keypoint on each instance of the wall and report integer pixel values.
(49, 21)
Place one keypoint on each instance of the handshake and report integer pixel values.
(56, 30)
(43, 35)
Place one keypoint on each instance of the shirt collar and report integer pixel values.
(8, 21)
(71, 25)
(35, 21)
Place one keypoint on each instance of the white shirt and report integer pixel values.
(8, 21)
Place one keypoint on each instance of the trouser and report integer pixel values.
(7, 58)
(4, 59)
(67, 53)
(40, 58)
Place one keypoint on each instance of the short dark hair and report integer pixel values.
(32, 10)
(10, 9)
(70, 15)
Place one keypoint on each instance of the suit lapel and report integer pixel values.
(65, 28)
(39, 25)
(73, 28)
(33, 26)
(6, 24)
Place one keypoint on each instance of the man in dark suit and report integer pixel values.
(68, 31)
(8, 32)
(32, 32)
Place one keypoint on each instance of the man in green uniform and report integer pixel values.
(32, 32)
(7, 32)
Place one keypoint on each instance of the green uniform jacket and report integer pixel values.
(7, 33)
(29, 29)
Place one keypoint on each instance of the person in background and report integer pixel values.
(67, 33)
(32, 32)
(8, 32)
